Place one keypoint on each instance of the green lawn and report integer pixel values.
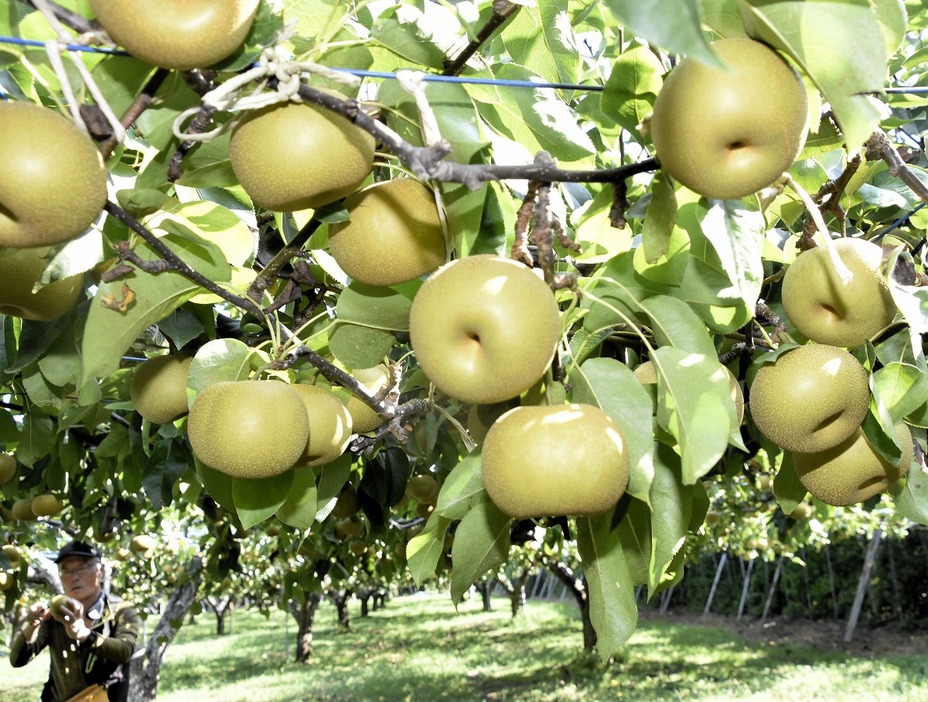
(420, 648)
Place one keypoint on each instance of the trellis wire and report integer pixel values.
(429, 77)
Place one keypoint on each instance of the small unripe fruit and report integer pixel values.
(142, 543)
(46, 505)
(7, 468)
(159, 388)
(422, 488)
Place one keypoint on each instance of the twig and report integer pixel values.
(69, 18)
(141, 103)
(879, 146)
(177, 264)
(502, 11)
(396, 426)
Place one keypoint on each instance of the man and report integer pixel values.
(91, 638)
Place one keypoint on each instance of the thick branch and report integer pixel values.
(429, 162)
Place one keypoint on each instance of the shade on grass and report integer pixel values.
(420, 648)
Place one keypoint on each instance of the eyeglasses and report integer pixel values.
(64, 573)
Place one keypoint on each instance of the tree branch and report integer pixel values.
(879, 146)
(502, 11)
(429, 162)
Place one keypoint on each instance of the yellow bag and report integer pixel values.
(94, 693)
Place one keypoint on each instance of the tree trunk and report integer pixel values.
(862, 585)
(365, 602)
(340, 599)
(484, 589)
(222, 608)
(146, 663)
(577, 587)
(305, 614)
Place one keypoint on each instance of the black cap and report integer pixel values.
(78, 548)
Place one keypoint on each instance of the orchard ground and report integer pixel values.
(420, 648)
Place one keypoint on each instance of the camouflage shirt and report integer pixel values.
(101, 658)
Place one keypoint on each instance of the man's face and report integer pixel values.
(80, 578)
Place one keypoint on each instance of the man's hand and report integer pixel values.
(35, 615)
(72, 616)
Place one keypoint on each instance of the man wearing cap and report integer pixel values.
(92, 639)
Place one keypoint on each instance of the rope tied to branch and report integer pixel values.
(274, 64)
(54, 49)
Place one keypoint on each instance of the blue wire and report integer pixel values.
(71, 47)
(429, 77)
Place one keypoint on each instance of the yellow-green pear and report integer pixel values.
(181, 34)
(727, 132)
(552, 460)
(373, 380)
(329, 425)
(249, 428)
(828, 310)
(159, 388)
(20, 270)
(294, 156)
(7, 468)
(811, 398)
(53, 180)
(394, 234)
(484, 328)
(46, 505)
(852, 471)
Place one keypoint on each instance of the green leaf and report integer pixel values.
(635, 534)
(109, 332)
(674, 25)
(736, 232)
(217, 361)
(786, 486)
(256, 500)
(543, 38)
(632, 87)
(911, 495)
(536, 119)
(424, 550)
(217, 485)
(300, 507)
(613, 610)
(694, 405)
(671, 507)
(358, 346)
(461, 489)
(845, 62)
(659, 218)
(611, 385)
(481, 544)
(376, 307)
(902, 387)
(404, 31)
(674, 323)
(332, 478)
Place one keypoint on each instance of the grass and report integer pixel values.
(420, 648)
